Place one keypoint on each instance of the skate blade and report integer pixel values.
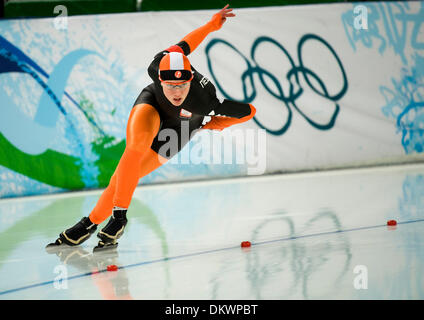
(105, 247)
(57, 246)
(57, 243)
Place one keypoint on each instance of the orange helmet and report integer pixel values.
(175, 66)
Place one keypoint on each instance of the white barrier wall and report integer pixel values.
(328, 94)
(334, 85)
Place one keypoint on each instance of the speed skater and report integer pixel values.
(178, 95)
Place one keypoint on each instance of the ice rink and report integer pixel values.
(320, 235)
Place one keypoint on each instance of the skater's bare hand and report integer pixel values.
(220, 17)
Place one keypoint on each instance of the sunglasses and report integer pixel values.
(175, 86)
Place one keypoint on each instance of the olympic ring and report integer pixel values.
(293, 75)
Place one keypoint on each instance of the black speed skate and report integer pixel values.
(112, 231)
(75, 235)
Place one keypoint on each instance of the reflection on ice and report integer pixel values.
(308, 231)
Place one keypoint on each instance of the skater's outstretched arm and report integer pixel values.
(194, 38)
(230, 113)
(191, 41)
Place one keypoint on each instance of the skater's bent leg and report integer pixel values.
(104, 206)
(103, 209)
(151, 161)
(116, 224)
(136, 129)
(143, 126)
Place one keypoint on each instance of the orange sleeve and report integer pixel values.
(175, 48)
(220, 123)
(195, 37)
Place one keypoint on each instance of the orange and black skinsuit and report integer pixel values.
(153, 112)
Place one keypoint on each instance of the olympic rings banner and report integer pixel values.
(334, 85)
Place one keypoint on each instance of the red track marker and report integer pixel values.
(391, 223)
(246, 244)
(112, 267)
